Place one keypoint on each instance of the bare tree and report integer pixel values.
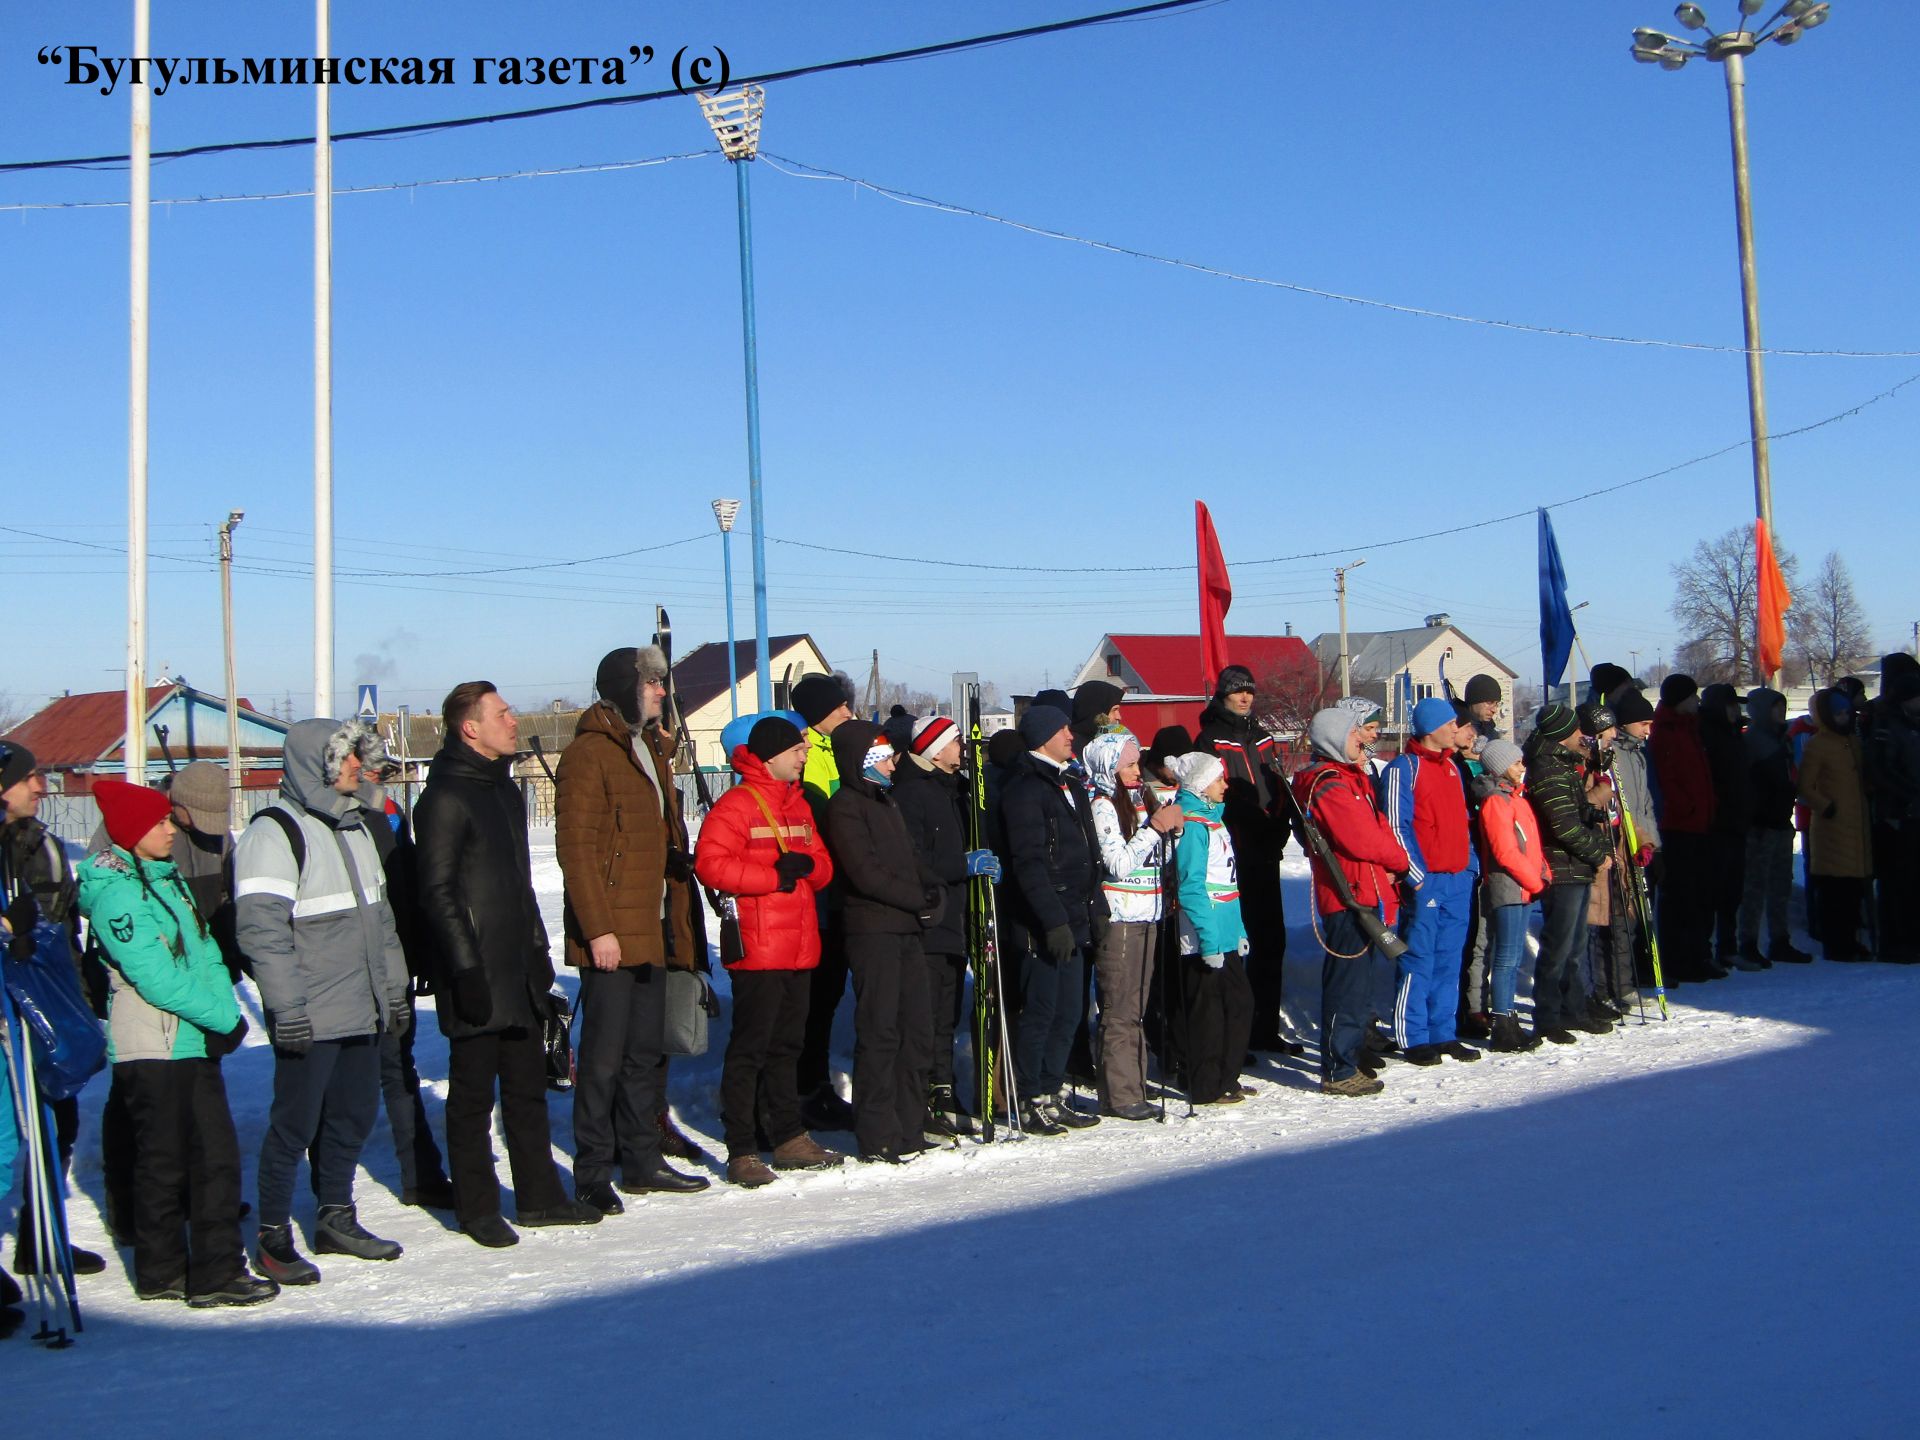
(13, 711)
(1287, 695)
(1827, 625)
(1716, 601)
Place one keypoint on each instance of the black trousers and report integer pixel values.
(1727, 854)
(758, 1090)
(828, 984)
(892, 1040)
(1219, 1016)
(325, 1102)
(516, 1061)
(186, 1174)
(1265, 917)
(946, 994)
(1686, 906)
(620, 1080)
(1840, 897)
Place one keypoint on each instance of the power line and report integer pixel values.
(922, 202)
(602, 102)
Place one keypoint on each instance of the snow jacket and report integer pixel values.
(316, 930)
(1129, 864)
(476, 888)
(1254, 775)
(1047, 824)
(170, 986)
(614, 833)
(1726, 762)
(930, 802)
(1681, 769)
(1428, 812)
(779, 929)
(1515, 870)
(1770, 788)
(822, 775)
(1895, 768)
(1210, 922)
(1636, 787)
(1574, 838)
(884, 882)
(1339, 799)
(1831, 784)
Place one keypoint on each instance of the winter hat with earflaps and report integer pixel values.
(349, 739)
(621, 674)
(129, 811)
(1196, 770)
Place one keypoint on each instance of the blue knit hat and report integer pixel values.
(1431, 713)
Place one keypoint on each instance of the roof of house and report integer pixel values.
(1377, 654)
(1171, 664)
(79, 730)
(700, 675)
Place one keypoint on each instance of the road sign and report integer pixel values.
(369, 706)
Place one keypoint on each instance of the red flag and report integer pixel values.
(1216, 595)
(1774, 603)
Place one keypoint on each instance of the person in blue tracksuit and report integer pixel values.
(1428, 813)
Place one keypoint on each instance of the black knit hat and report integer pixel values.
(1058, 699)
(1555, 722)
(1235, 680)
(1004, 748)
(1168, 741)
(816, 697)
(1677, 689)
(774, 735)
(16, 763)
(1595, 716)
(1607, 678)
(1631, 708)
(1095, 698)
(1482, 688)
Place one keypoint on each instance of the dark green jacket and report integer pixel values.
(1572, 832)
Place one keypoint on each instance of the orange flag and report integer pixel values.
(1774, 603)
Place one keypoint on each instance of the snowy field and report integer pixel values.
(1697, 1227)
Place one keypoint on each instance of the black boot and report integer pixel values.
(337, 1231)
(245, 1288)
(663, 1179)
(281, 1260)
(600, 1195)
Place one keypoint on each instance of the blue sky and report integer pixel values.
(548, 369)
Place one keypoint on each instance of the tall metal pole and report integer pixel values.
(762, 660)
(733, 658)
(235, 781)
(138, 315)
(322, 375)
(1735, 65)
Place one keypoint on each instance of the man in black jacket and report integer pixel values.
(927, 788)
(476, 891)
(891, 899)
(1258, 828)
(1573, 836)
(1050, 847)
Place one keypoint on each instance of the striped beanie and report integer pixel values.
(931, 734)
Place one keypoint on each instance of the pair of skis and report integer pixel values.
(991, 1041)
(1637, 884)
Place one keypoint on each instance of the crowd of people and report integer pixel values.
(1140, 929)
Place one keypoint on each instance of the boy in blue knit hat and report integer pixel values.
(1428, 812)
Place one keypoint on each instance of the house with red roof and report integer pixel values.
(78, 738)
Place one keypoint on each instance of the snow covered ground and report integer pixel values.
(1702, 1226)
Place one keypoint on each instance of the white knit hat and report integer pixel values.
(1196, 770)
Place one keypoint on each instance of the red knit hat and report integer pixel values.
(129, 811)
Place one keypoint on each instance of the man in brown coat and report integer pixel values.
(622, 846)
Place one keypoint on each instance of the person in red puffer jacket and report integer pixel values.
(759, 846)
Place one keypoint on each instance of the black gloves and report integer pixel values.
(23, 914)
(399, 1012)
(220, 1046)
(292, 1035)
(793, 868)
(679, 864)
(472, 997)
(1060, 944)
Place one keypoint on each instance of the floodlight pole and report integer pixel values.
(322, 374)
(138, 320)
(236, 815)
(1735, 66)
(735, 120)
(724, 511)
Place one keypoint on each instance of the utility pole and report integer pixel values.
(1340, 594)
(139, 316)
(235, 781)
(873, 686)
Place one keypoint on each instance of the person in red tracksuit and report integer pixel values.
(1684, 798)
(759, 845)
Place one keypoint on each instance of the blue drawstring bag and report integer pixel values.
(69, 1045)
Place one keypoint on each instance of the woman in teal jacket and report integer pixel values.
(171, 1015)
(1217, 999)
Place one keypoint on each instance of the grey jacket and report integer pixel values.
(1636, 791)
(319, 936)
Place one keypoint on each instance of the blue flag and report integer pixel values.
(1556, 619)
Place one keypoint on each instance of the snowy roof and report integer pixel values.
(77, 731)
